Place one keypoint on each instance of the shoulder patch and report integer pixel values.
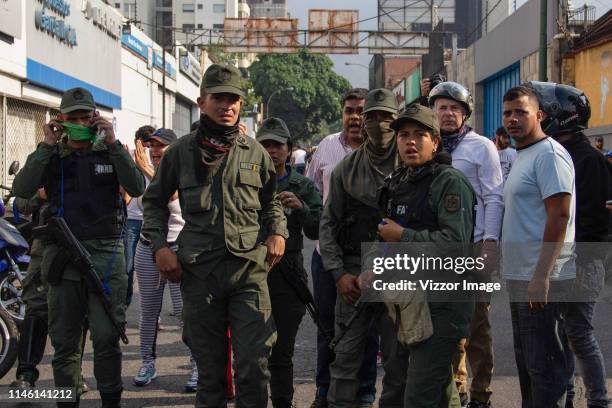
(249, 166)
(452, 202)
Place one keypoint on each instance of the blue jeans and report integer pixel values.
(324, 287)
(581, 337)
(580, 334)
(133, 235)
(539, 347)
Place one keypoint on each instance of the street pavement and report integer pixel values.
(173, 366)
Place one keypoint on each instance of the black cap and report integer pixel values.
(165, 136)
(273, 129)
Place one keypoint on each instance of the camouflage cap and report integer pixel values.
(273, 129)
(419, 114)
(77, 99)
(380, 99)
(222, 79)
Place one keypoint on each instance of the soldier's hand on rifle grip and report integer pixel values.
(168, 264)
(347, 285)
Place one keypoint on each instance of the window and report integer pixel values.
(218, 26)
(200, 26)
(188, 8)
(200, 6)
(117, 5)
(188, 28)
(219, 8)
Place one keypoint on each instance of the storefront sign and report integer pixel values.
(55, 25)
(190, 66)
(103, 17)
(135, 45)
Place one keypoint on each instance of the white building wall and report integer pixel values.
(142, 91)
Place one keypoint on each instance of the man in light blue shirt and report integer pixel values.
(537, 253)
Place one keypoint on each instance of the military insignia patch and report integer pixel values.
(249, 166)
(452, 202)
(379, 96)
(412, 109)
(100, 169)
(225, 75)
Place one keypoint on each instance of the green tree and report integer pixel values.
(317, 90)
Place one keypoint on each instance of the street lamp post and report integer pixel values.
(356, 64)
(270, 98)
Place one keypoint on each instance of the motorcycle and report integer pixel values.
(14, 261)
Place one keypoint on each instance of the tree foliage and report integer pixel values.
(315, 100)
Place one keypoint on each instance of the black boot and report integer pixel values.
(111, 400)
(32, 342)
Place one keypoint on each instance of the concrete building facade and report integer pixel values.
(49, 47)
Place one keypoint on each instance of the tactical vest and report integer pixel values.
(408, 200)
(359, 225)
(93, 207)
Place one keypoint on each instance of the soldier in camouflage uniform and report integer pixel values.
(82, 167)
(429, 201)
(234, 233)
(302, 205)
(351, 217)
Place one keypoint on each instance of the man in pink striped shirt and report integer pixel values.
(332, 149)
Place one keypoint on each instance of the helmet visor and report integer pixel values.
(450, 90)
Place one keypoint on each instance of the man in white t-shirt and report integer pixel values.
(538, 235)
(507, 154)
(476, 157)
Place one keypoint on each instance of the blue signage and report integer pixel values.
(158, 62)
(61, 7)
(55, 26)
(135, 45)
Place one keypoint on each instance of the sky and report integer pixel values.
(357, 74)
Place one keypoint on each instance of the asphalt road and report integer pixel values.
(173, 366)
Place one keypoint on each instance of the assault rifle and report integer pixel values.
(301, 290)
(57, 230)
(344, 327)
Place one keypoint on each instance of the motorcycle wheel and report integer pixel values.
(11, 289)
(9, 340)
